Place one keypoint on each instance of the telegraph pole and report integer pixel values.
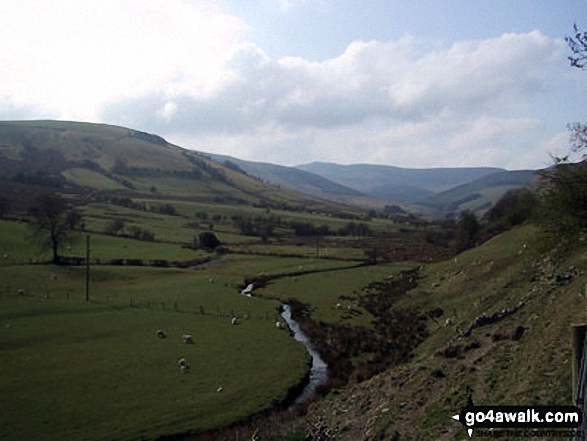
(88, 268)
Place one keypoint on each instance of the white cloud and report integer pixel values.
(74, 56)
(183, 69)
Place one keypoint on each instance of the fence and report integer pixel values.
(122, 301)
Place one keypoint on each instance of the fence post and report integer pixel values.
(579, 333)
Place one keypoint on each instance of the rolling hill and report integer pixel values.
(480, 194)
(84, 158)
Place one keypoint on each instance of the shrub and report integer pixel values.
(208, 240)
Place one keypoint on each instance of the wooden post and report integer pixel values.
(579, 334)
(317, 247)
(88, 268)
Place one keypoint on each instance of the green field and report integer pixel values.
(95, 370)
(84, 371)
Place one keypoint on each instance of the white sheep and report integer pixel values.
(187, 338)
(279, 325)
(184, 369)
(219, 389)
(448, 322)
(234, 321)
(182, 362)
(161, 334)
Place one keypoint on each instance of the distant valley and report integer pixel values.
(435, 191)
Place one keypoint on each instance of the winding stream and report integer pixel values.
(319, 369)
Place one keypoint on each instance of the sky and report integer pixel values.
(419, 83)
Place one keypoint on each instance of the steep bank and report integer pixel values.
(523, 358)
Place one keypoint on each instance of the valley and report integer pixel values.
(174, 238)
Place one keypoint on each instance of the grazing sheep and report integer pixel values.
(279, 325)
(448, 322)
(234, 321)
(219, 389)
(161, 334)
(182, 362)
(338, 306)
(187, 339)
(20, 292)
(184, 369)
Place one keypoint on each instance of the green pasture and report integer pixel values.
(76, 370)
(92, 179)
(212, 288)
(192, 188)
(17, 244)
(166, 228)
(324, 291)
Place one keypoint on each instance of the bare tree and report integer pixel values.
(578, 45)
(54, 222)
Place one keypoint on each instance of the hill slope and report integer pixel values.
(479, 194)
(520, 358)
(289, 177)
(301, 181)
(82, 157)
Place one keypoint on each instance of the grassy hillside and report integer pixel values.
(522, 359)
(289, 177)
(479, 195)
(82, 157)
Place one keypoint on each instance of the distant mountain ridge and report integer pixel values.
(288, 177)
(398, 184)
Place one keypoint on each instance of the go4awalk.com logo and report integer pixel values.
(518, 417)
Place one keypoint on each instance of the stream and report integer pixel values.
(319, 369)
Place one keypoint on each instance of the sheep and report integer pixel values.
(161, 334)
(279, 325)
(184, 369)
(448, 322)
(182, 362)
(187, 339)
(219, 389)
(53, 276)
(234, 321)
